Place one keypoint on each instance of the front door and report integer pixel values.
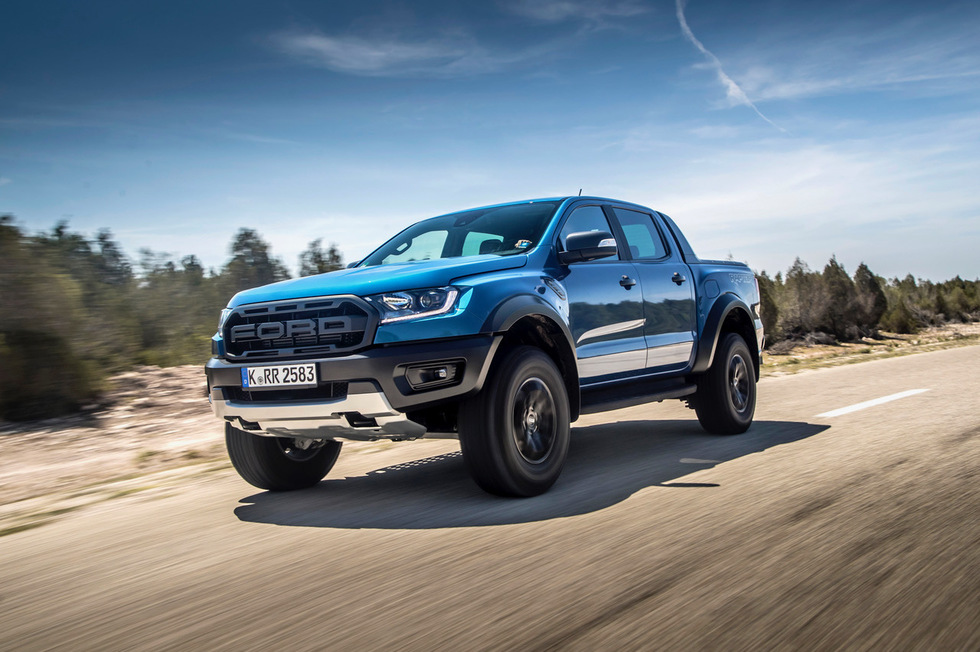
(605, 306)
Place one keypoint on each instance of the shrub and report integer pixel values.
(41, 377)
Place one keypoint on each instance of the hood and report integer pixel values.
(361, 281)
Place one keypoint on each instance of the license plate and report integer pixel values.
(287, 375)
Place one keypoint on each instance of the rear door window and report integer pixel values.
(642, 236)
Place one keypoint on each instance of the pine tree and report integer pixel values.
(768, 307)
(840, 317)
(314, 260)
(251, 263)
(871, 299)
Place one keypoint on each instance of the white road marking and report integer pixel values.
(872, 403)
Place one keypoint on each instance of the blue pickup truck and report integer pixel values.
(498, 326)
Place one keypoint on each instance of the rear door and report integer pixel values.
(668, 290)
(605, 305)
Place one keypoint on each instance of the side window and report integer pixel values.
(587, 218)
(424, 246)
(642, 236)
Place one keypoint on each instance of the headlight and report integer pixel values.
(223, 318)
(414, 304)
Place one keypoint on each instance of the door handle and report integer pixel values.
(627, 282)
(677, 278)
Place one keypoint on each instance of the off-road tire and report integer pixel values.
(725, 400)
(515, 433)
(270, 463)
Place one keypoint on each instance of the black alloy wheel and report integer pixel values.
(535, 421)
(738, 381)
(725, 400)
(515, 433)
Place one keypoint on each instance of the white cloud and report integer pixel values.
(388, 52)
(895, 207)
(381, 55)
(553, 11)
(391, 49)
(4, 181)
(736, 96)
(257, 138)
(916, 55)
(794, 79)
(359, 55)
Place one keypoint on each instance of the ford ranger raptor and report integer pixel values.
(497, 326)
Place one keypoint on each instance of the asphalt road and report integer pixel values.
(857, 531)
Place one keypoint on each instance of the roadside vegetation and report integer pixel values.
(803, 357)
(75, 310)
(830, 307)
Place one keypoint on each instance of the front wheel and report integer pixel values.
(725, 401)
(514, 434)
(279, 463)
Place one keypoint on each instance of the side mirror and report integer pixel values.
(353, 264)
(588, 245)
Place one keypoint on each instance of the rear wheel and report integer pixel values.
(725, 401)
(515, 433)
(279, 463)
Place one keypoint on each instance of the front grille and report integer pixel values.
(321, 392)
(297, 329)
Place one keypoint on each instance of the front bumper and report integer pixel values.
(377, 395)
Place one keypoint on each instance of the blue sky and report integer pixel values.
(768, 129)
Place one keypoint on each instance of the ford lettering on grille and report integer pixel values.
(294, 328)
(305, 328)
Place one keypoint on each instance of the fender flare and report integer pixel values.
(513, 309)
(711, 332)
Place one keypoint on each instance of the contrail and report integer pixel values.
(734, 91)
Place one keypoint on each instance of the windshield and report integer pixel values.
(500, 230)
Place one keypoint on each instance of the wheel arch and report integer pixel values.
(729, 314)
(535, 323)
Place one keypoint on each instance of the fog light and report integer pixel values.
(433, 374)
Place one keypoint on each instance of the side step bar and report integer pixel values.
(634, 393)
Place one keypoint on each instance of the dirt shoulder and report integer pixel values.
(803, 357)
(152, 420)
(156, 428)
